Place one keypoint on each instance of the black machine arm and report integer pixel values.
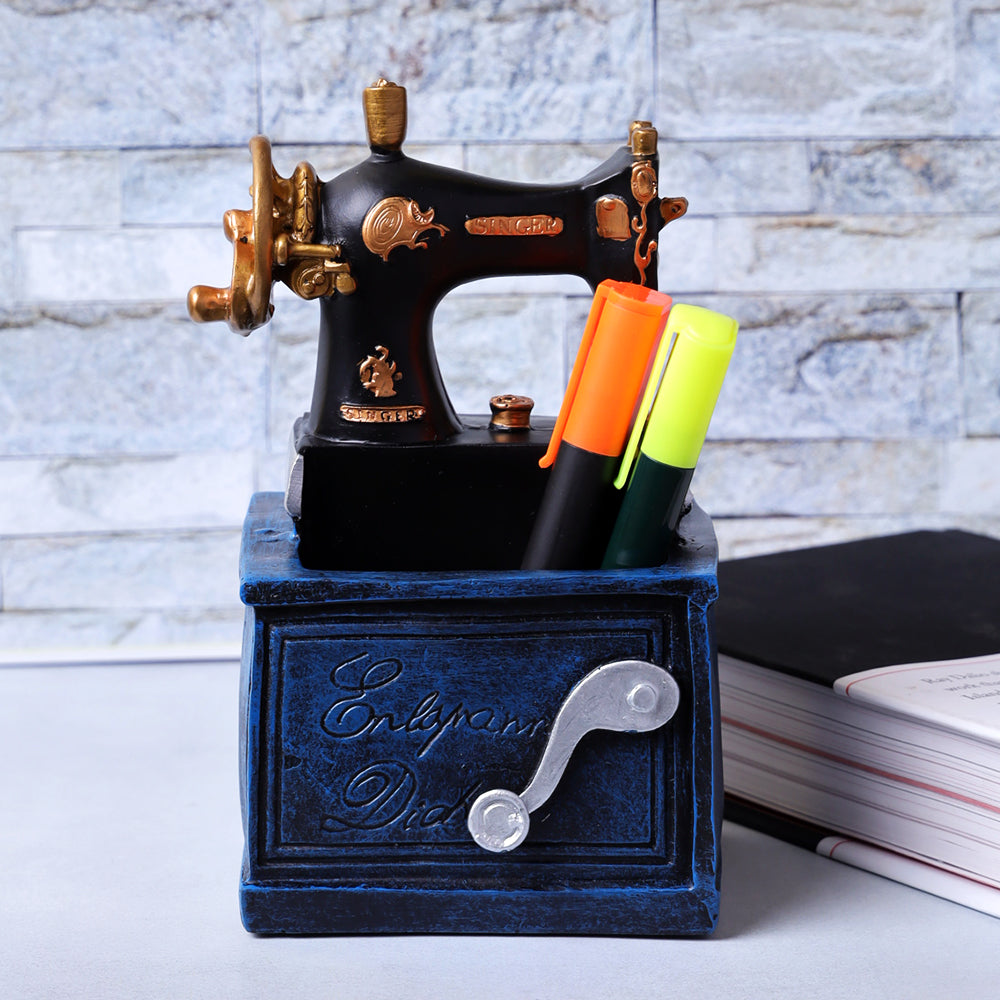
(382, 243)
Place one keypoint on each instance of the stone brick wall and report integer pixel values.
(842, 161)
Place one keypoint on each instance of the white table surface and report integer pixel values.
(120, 848)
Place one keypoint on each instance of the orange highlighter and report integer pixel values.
(580, 502)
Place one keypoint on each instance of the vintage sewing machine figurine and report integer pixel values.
(380, 246)
(431, 739)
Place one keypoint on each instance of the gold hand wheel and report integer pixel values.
(309, 269)
(246, 304)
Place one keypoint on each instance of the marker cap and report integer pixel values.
(622, 330)
(693, 357)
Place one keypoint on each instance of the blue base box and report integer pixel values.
(376, 707)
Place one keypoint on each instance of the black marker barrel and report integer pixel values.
(577, 512)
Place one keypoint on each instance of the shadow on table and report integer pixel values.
(766, 882)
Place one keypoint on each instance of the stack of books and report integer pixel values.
(860, 688)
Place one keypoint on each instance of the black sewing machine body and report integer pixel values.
(380, 245)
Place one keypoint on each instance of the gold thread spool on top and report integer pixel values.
(642, 139)
(511, 413)
(385, 114)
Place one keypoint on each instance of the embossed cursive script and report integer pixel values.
(430, 716)
(387, 792)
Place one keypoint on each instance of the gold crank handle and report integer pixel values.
(207, 304)
(273, 239)
(246, 304)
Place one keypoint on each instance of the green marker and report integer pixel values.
(671, 425)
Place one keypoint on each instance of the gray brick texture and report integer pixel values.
(842, 164)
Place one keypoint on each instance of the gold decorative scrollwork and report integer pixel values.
(397, 222)
(306, 189)
(644, 191)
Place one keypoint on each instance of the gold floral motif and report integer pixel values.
(397, 222)
(378, 373)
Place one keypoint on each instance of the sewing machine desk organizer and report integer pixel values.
(377, 706)
(432, 739)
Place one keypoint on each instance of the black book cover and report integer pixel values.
(825, 612)
(773, 823)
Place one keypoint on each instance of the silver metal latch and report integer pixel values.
(626, 696)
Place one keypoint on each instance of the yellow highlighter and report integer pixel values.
(668, 435)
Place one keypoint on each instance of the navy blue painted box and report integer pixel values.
(376, 706)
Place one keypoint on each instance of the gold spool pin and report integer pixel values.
(511, 413)
(385, 114)
(642, 139)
